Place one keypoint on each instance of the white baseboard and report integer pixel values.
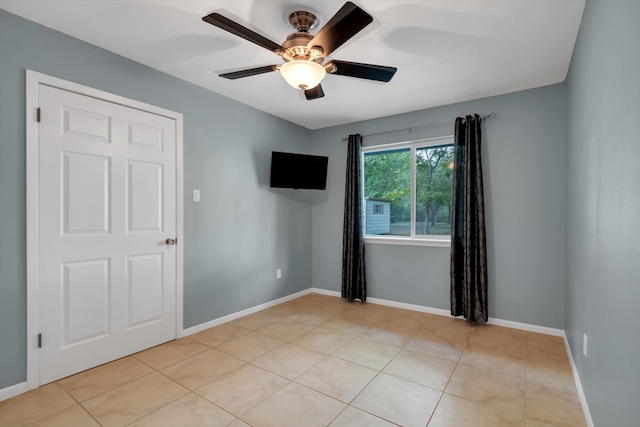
(441, 312)
(239, 314)
(326, 292)
(412, 307)
(14, 390)
(526, 327)
(576, 377)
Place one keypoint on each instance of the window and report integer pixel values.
(378, 209)
(415, 180)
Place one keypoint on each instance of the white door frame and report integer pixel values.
(33, 80)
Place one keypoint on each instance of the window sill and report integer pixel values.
(407, 241)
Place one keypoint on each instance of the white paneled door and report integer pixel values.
(106, 227)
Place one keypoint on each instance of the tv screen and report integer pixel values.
(300, 171)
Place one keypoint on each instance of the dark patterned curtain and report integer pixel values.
(468, 242)
(354, 283)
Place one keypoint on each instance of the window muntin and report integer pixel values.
(416, 179)
(378, 209)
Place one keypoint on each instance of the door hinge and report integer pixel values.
(38, 114)
(39, 340)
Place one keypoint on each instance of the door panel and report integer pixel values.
(107, 203)
(145, 136)
(144, 188)
(85, 296)
(85, 124)
(145, 300)
(85, 193)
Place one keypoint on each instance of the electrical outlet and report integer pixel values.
(196, 195)
(279, 273)
(584, 345)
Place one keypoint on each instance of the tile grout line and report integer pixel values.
(69, 407)
(349, 404)
(158, 371)
(290, 381)
(81, 403)
(435, 408)
(458, 363)
(341, 315)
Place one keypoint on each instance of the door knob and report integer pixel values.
(171, 241)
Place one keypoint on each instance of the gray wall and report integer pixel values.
(242, 230)
(603, 209)
(524, 161)
(234, 239)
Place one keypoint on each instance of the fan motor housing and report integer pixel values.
(303, 21)
(296, 47)
(296, 43)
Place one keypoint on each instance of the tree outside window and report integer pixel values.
(434, 180)
(416, 178)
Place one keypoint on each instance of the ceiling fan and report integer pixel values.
(305, 53)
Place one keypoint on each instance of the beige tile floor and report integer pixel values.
(318, 361)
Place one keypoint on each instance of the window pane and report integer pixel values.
(434, 174)
(387, 192)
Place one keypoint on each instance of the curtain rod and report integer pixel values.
(487, 117)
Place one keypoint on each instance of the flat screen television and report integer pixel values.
(300, 171)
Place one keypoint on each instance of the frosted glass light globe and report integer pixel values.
(303, 74)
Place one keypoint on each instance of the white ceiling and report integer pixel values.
(446, 51)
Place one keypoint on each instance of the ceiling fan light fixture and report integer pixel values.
(304, 52)
(303, 74)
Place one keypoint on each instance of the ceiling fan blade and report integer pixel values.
(364, 71)
(249, 72)
(234, 28)
(346, 23)
(314, 93)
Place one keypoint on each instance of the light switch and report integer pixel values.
(196, 195)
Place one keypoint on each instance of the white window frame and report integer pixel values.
(414, 239)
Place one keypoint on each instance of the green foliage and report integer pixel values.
(388, 176)
(434, 174)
